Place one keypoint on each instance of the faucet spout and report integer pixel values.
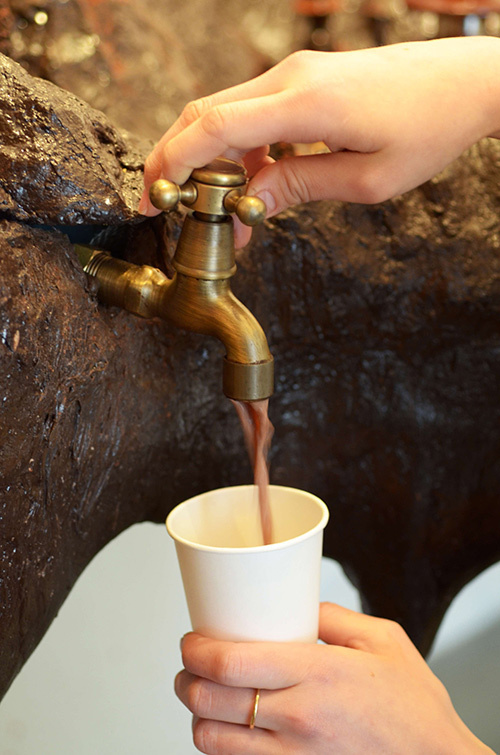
(210, 307)
(205, 306)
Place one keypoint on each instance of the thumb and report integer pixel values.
(350, 629)
(343, 176)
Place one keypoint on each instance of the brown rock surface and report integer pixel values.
(61, 161)
(96, 429)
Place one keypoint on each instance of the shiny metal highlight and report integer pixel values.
(199, 297)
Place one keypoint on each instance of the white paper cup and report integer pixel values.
(238, 589)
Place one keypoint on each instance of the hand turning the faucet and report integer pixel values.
(392, 117)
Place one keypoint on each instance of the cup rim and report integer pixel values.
(252, 548)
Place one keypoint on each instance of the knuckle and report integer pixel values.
(299, 60)
(395, 631)
(230, 666)
(304, 722)
(198, 698)
(194, 110)
(371, 186)
(213, 121)
(390, 634)
(205, 736)
(293, 186)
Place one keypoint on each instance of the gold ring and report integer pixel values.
(255, 709)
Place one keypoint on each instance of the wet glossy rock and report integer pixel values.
(97, 429)
(61, 161)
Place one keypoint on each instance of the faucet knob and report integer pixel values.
(165, 195)
(213, 192)
(250, 210)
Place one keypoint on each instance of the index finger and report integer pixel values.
(269, 665)
(265, 84)
(246, 125)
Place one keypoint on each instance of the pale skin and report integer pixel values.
(392, 118)
(367, 690)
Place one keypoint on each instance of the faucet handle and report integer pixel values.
(214, 192)
(250, 210)
(165, 195)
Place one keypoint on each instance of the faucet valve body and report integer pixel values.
(215, 191)
(206, 251)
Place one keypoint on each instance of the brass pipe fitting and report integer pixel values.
(136, 288)
(199, 297)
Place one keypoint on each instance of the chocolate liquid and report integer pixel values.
(258, 431)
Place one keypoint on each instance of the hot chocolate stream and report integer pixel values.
(258, 432)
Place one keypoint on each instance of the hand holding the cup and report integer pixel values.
(367, 690)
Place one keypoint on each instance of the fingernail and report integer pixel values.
(143, 204)
(267, 198)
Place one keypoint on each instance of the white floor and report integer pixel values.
(100, 682)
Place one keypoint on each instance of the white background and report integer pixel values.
(101, 681)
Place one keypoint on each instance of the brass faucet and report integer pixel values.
(199, 296)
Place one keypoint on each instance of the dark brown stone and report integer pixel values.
(61, 161)
(97, 431)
